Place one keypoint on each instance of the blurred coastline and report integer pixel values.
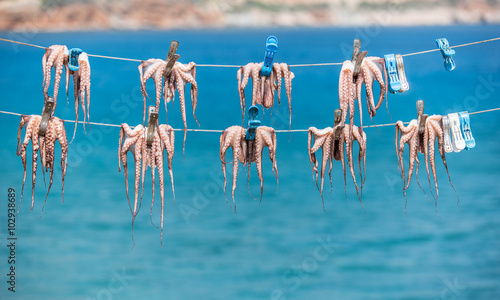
(88, 15)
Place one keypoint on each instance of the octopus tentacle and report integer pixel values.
(265, 136)
(84, 72)
(49, 135)
(346, 90)
(59, 64)
(63, 142)
(278, 75)
(347, 94)
(267, 91)
(76, 88)
(55, 56)
(21, 148)
(440, 136)
(429, 138)
(376, 66)
(342, 158)
(360, 136)
(242, 83)
(46, 145)
(257, 92)
(326, 157)
(288, 76)
(162, 191)
(152, 165)
(231, 137)
(180, 88)
(312, 156)
(349, 150)
(372, 69)
(358, 87)
(368, 79)
(167, 136)
(130, 144)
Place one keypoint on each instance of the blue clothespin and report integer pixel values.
(466, 132)
(447, 53)
(253, 112)
(271, 49)
(392, 71)
(74, 53)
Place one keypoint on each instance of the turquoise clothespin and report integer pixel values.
(447, 53)
(271, 49)
(392, 72)
(253, 112)
(466, 132)
(74, 53)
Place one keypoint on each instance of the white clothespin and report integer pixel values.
(458, 142)
(447, 138)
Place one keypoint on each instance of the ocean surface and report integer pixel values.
(287, 247)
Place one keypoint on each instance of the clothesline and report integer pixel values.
(237, 66)
(231, 66)
(219, 131)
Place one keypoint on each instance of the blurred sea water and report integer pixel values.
(287, 247)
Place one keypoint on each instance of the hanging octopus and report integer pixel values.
(264, 87)
(433, 130)
(134, 140)
(410, 136)
(248, 151)
(332, 141)
(46, 144)
(180, 76)
(423, 143)
(350, 87)
(81, 87)
(57, 56)
(322, 139)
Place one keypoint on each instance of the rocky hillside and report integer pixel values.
(64, 15)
